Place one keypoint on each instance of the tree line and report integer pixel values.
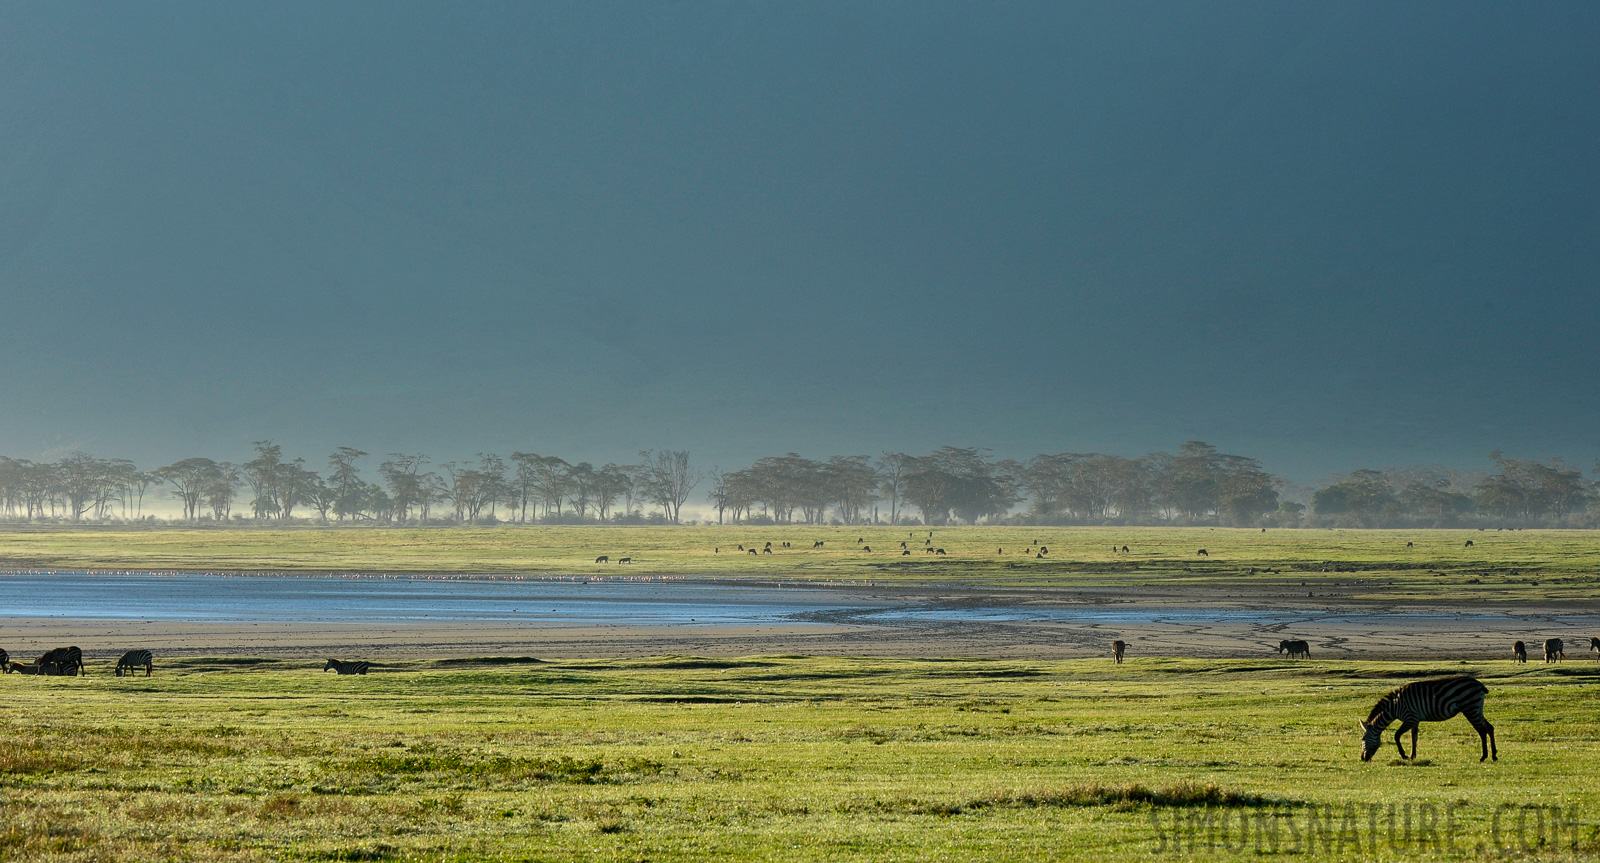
(408, 488)
(1195, 485)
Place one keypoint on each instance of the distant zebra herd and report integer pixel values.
(68, 662)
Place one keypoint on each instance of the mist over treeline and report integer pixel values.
(1196, 485)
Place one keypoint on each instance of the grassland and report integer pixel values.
(776, 758)
(1514, 566)
(797, 758)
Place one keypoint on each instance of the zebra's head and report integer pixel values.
(332, 663)
(1371, 739)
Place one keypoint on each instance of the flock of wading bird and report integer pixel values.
(1422, 701)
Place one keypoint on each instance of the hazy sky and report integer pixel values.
(1328, 235)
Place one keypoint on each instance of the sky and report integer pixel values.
(1329, 236)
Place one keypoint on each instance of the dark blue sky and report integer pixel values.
(1330, 235)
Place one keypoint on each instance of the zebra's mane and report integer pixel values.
(1382, 710)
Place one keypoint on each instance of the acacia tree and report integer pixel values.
(349, 490)
(893, 468)
(190, 480)
(668, 480)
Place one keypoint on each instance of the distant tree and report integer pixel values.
(718, 495)
(407, 483)
(345, 478)
(84, 481)
(220, 487)
(261, 473)
(851, 484)
(892, 470)
(1529, 489)
(668, 480)
(611, 482)
(190, 479)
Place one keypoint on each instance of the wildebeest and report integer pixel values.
(1409, 545)
(1117, 649)
(866, 548)
(5, 662)
(624, 560)
(346, 667)
(135, 659)
(65, 661)
(1594, 645)
(1519, 652)
(1428, 701)
(1553, 651)
(1202, 553)
(1044, 549)
(817, 544)
(1295, 647)
(767, 550)
(602, 559)
(750, 550)
(860, 539)
(1468, 545)
(904, 552)
(938, 551)
(1125, 550)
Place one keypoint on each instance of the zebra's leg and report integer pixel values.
(1405, 726)
(1485, 736)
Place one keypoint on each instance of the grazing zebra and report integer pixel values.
(1554, 650)
(347, 667)
(1117, 649)
(1428, 701)
(1295, 648)
(134, 660)
(64, 661)
(1519, 652)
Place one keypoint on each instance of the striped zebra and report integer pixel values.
(5, 662)
(1594, 645)
(347, 667)
(64, 661)
(133, 660)
(1554, 650)
(1428, 701)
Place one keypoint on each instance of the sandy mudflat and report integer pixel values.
(1191, 625)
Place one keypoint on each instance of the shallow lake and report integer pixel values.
(552, 603)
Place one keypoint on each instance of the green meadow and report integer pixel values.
(803, 758)
(776, 758)
(1529, 566)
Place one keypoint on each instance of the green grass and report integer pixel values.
(1521, 566)
(776, 758)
